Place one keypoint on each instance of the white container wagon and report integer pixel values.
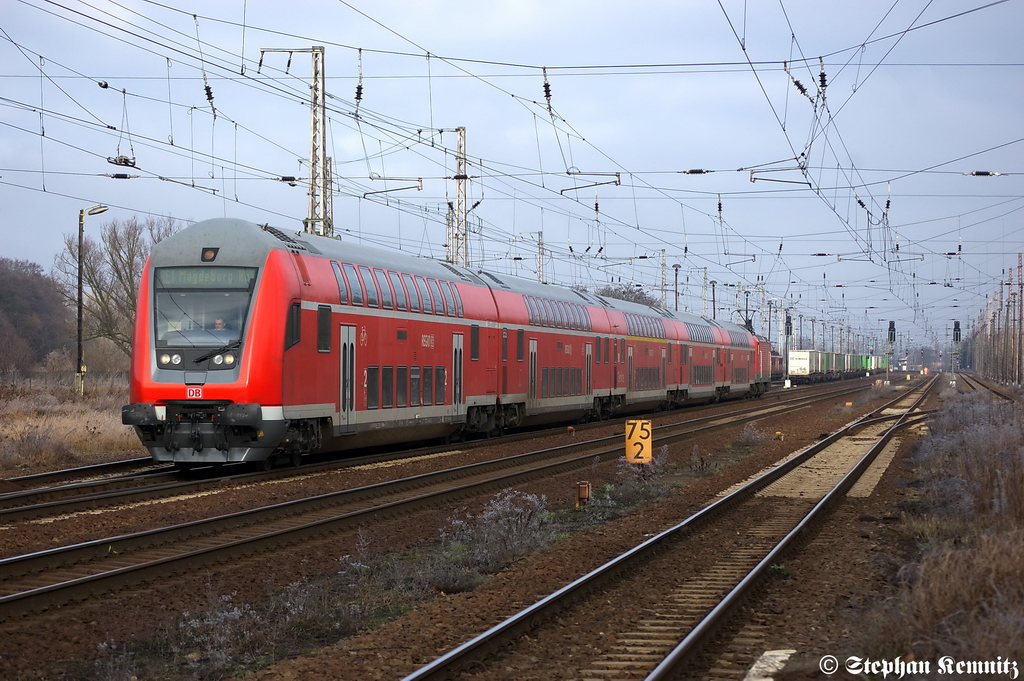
(805, 366)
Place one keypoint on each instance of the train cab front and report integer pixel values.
(189, 396)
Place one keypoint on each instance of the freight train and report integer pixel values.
(812, 366)
(258, 345)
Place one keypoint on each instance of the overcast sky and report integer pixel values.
(849, 204)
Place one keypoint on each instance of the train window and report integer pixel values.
(544, 382)
(439, 385)
(558, 382)
(438, 299)
(474, 342)
(323, 328)
(607, 355)
(396, 283)
(458, 299)
(355, 286)
(372, 387)
(421, 284)
(414, 386)
(401, 386)
(520, 342)
(342, 286)
(578, 312)
(293, 326)
(597, 354)
(563, 314)
(387, 298)
(428, 385)
(449, 302)
(531, 311)
(372, 294)
(587, 324)
(504, 345)
(414, 297)
(547, 317)
(387, 387)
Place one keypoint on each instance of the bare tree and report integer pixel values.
(111, 272)
(632, 294)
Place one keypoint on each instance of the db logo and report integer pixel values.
(194, 393)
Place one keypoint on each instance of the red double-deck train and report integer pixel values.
(252, 344)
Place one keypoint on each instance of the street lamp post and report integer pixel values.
(676, 270)
(80, 367)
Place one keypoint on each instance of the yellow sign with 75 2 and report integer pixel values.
(638, 442)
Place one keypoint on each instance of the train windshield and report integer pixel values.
(201, 306)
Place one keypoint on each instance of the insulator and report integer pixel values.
(359, 92)
(209, 93)
(800, 87)
(547, 90)
(822, 80)
(697, 171)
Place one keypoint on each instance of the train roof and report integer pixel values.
(246, 243)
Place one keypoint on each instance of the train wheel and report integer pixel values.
(268, 463)
(295, 459)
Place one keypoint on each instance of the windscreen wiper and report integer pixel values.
(230, 346)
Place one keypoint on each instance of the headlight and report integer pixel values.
(176, 359)
(165, 358)
(229, 359)
(218, 359)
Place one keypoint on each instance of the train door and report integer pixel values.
(533, 368)
(664, 367)
(629, 368)
(590, 366)
(457, 396)
(348, 383)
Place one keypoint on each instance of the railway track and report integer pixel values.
(672, 593)
(973, 383)
(45, 579)
(97, 491)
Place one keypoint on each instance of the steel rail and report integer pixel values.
(465, 656)
(682, 655)
(63, 592)
(18, 506)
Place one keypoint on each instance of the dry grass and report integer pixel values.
(963, 593)
(368, 588)
(45, 426)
